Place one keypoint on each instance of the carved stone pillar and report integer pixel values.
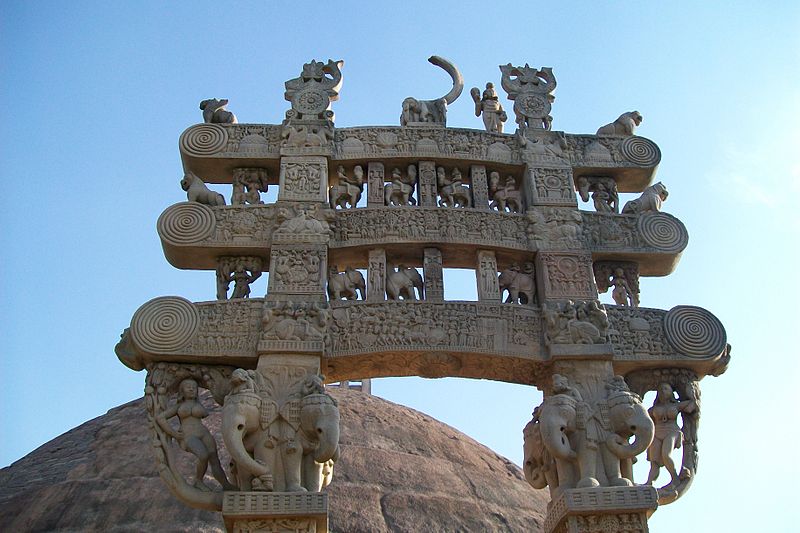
(488, 286)
(297, 409)
(601, 509)
(376, 275)
(549, 186)
(427, 184)
(433, 276)
(375, 182)
(303, 178)
(480, 187)
(268, 512)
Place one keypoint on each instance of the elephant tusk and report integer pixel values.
(452, 70)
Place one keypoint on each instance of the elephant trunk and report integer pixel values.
(234, 426)
(620, 447)
(319, 418)
(629, 417)
(554, 428)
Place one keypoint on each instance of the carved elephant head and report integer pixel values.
(556, 426)
(319, 424)
(240, 430)
(628, 417)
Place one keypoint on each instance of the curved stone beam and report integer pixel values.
(171, 328)
(213, 151)
(194, 235)
(683, 337)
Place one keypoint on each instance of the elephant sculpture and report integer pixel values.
(242, 434)
(520, 285)
(287, 448)
(433, 111)
(401, 283)
(347, 284)
(319, 435)
(572, 443)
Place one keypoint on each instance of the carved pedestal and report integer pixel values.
(601, 510)
(275, 512)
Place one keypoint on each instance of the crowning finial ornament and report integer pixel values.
(312, 92)
(531, 89)
(357, 292)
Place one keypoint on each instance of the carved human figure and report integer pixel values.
(490, 107)
(601, 200)
(223, 280)
(622, 293)
(399, 191)
(192, 436)
(242, 280)
(505, 197)
(668, 435)
(349, 188)
(452, 192)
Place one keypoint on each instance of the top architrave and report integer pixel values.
(212, 151)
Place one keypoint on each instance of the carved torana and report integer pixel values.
(357, 248)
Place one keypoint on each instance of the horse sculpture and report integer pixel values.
(505, 198)
(196, 191)
(452, 191)
(346, 284)
(399, 191)
(401, 283)
(348, 190)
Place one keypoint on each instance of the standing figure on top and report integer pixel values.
(490, 107)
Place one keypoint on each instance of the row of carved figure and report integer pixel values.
(517, 283)
(582, 440)
(278, 440)
(529, 88)
(503, 193)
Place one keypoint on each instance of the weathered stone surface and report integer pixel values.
(399, 470)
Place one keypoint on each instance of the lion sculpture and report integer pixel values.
(625, 125)
(214, 112)
(649, 202)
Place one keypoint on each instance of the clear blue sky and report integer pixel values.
(96, 95)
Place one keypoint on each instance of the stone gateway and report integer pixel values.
(356, 290)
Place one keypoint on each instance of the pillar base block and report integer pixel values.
(601, 509)
(273, 512)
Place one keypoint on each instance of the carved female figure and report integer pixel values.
(622, 293)
(668, 434)
(192, 436)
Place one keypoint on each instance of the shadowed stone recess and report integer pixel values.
(400, 470)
